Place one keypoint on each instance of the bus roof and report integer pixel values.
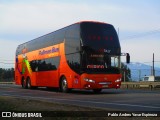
(91, 22)
(51, 37)
(65, 27)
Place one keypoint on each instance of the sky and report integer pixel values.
(136, 21)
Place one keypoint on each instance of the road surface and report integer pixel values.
(109, 99)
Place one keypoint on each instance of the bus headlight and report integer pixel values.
(89, 80)
(118, 80)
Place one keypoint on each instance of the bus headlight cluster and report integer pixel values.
(118, 80)
(89, 80)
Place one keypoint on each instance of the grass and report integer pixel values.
(20, 105)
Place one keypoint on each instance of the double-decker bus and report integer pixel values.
(84, 55)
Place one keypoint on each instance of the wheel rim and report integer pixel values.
(28, 83)
(64, 85)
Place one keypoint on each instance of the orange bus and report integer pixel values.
(84, 55)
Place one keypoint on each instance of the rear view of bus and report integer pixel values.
(100, 56)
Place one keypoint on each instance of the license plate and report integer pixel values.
(105, 86)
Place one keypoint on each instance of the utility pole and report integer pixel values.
(139, 75)
(151, 70)
(124, 76)
(153, 66)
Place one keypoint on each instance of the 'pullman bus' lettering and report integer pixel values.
(43, 52)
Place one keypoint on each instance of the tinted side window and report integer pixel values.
(43, 41)
(45, 64)
(73, 61)
(72, 47)
(72, 39)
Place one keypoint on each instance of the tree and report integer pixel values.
(6, 74)
(126, 73)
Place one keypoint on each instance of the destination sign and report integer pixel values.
(97, 37)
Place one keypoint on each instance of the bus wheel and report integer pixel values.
(24, 83)
(28, 83)
(64, 85)
(97, 90)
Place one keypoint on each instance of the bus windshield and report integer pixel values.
(96, 62)
(100, 48)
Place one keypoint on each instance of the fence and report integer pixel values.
(7, 79)
(127, 85)
(138, 85)
(7, 82)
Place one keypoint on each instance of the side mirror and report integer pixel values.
(127, 58)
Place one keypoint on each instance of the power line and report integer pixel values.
(5, 60)
(151, 62)
(145, 62)
(6, 63)
(142, 34)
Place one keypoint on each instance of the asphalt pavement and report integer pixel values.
(109, 99)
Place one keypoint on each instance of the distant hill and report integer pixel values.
(138, 70)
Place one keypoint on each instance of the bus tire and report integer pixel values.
(24, 83)
(97, 90)
(28, 83)
(64, 85)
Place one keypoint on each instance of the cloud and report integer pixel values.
(8, 48)
(51, 15)
(26, 17)
(23, 21)
(7, 52)
(142, 49)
